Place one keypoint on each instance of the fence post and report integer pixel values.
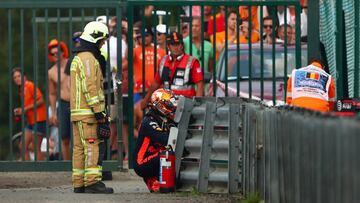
(313, 29)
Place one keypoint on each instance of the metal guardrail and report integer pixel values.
(287, 155)
(300, 156)
(209, 163)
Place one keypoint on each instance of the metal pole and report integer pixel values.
(131, 82)
(314, 34)
(339, 50)
(10, 85)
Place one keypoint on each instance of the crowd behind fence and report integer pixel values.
(207, 39)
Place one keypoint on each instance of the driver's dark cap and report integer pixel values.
(174, 37)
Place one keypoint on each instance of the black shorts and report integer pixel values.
(64, 119)
(40, 128)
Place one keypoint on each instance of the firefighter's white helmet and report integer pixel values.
(95, 31)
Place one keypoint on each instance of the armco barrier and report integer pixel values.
(209, 163)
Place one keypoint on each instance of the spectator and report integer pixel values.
(112, 85)
(289, 34)
(137, 34)
(304, 23)
(124, 28)
(30, 102)
(311, 87)
(185, 29)
(64, 105)
(172, 74)
(53, 141)
(244, 33)
(149, 73)
(76, 39)
(161, 36)
(196, 46)
(268, 29)
(244, 15)
(149, 62)
(195, 10)
(231, 35)
(292, 15)
(281, 15)
(207, 17)
(219, 22)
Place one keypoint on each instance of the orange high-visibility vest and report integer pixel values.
(311, 88)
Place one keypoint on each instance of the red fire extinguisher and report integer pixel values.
(167, 170)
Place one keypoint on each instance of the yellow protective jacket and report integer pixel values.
(86, 91)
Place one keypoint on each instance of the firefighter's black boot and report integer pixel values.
(106, 175)
(98, 187)
(79, 189)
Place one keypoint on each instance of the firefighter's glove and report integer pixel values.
(103, 130)
(101, 116)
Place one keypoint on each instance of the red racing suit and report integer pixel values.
(153, 137)
(182, 74)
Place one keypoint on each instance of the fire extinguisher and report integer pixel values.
(167, 170)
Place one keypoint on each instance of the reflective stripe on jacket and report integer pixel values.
(179, 80)
(86, 91)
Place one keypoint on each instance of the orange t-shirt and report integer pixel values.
(220, 39)
(149, 65)
(219, 23)
(244, 15)
(29, 95)
(254, 38)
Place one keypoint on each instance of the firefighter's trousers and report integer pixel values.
(86, 166)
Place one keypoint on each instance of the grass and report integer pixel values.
(192, 192)
(252, 198)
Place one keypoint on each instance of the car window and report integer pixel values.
(256, 66)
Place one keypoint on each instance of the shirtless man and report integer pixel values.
(63, 120)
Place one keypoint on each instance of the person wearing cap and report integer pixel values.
(60, 118)
(311, 88)
(177, 71)
(76, 39)
(149, 61)
(161, 36)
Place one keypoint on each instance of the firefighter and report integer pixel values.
(153, 136)
(87, 104)
(177, 71)
(311, 87)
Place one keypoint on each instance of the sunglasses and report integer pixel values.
(267, 26)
